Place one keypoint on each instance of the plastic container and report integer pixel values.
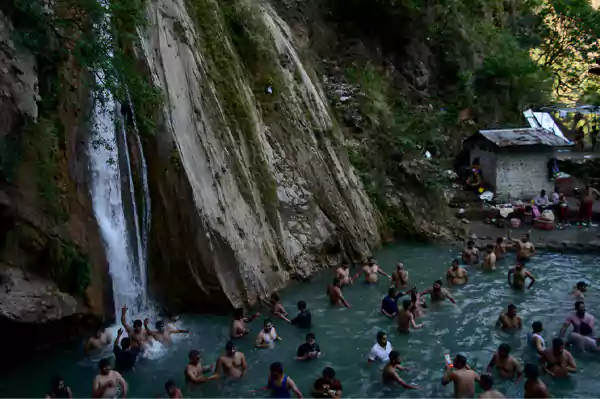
(515, 223)
(448, 360)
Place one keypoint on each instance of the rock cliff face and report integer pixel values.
(52, 265)
(249, 180)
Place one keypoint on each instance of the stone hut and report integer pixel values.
(515, 162)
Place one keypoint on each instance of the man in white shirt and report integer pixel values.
(380, 352)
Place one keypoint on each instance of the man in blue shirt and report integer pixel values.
(389, 303)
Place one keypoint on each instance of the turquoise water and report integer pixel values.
(346, 335)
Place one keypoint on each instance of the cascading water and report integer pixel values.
(127, 260)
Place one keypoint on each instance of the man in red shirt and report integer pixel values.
(327, 386)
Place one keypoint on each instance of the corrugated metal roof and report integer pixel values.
(523, 137)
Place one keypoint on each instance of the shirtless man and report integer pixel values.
(416, 304)
(587, 204)
(579, 290)
(390, 372)
(267, 336)
(520, 274)
(437, 293)
(525, 248)
(486, 382)
(406, 319)
(277, 308)
(100, 340)
(582, 336)
(557, 361)
(510, 320)
(161, 334)
(400, 276)
(534, 387)
(108, 383)
(500, 248)
(506, 365)
(343, 274)
(456, 275)
(232, 363)
(335, 294)
(172, 391)
(462, 376)
(194, 371)
(371, 270)
(138, 337)
(489, 259)
(238, 325)
(470, 254)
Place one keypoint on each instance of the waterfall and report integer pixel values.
(126, 259)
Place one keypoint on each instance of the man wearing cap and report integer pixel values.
(462, 376)
(580, 288)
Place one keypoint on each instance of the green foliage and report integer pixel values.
(70, 267)
(568, 32)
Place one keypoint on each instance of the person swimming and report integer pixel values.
(534, 387)
(194, 371)
(579, 290)
(557, 361)
(535, 339)
(486, 382)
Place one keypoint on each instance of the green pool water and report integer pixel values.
(346, 335)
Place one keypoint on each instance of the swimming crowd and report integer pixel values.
(556, 361)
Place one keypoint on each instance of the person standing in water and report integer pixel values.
(579, 290)
(232, 363)
(470, 254)
(406, 318)
(400, 276)
(462, 376)
(489, 258)
(507, 366)
(335, 294)
(456, 275)
(519, 274)
(343, 274)
(390, 372)
(525, 248)
(381, 350)
(500, 248)
(304, 318)
(534, 387)
(587, 205)
(535, 339)
(194, 371)
(96, 343)
(308, 350)
(416, 304)
(108, 383)
(437, 293)
(59, 389)
(486, 382)
(172, 391)
(510, 320)
(161, 334)
(327, 386)
(138, 337)
(277, 308)
(267, 336)
(582, 322)
(557, 361)
(371, 270)
(125, 355)
(280, 384)
(389, 303)
(238, 325)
